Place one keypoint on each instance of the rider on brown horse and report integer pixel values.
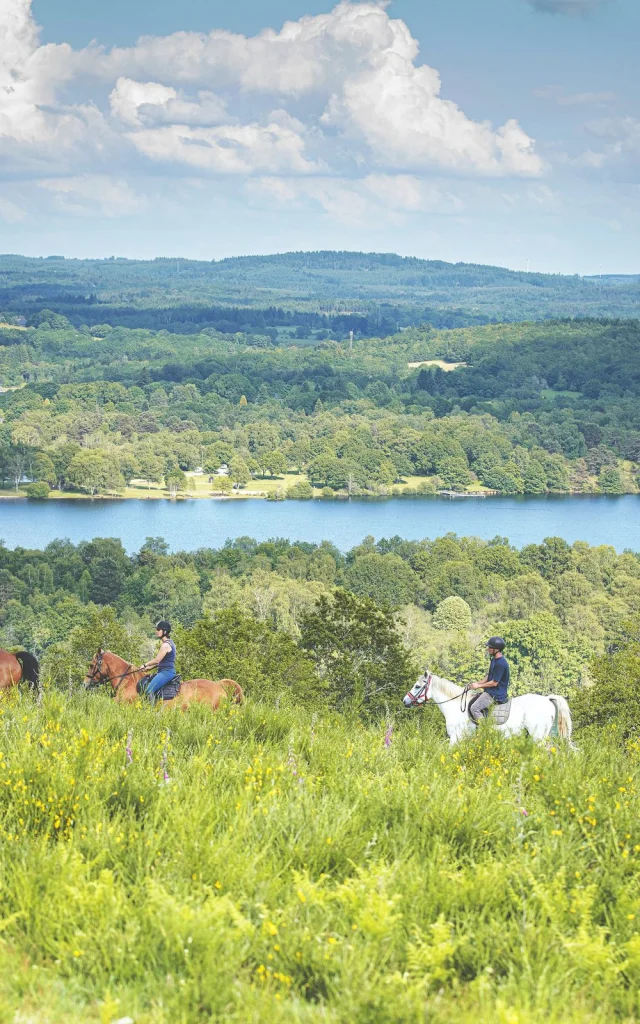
(165, 661)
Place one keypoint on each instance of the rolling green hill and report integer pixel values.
(371, 293)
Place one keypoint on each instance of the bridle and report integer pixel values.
(415, 698)
(97, 678)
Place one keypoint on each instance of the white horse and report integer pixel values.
(532, 712)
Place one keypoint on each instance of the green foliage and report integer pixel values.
(356, 420)
(357, 652)
(540, 648)
(612, 699)
(94, 471)
(556, 624)
(37, 490)
(233, 645)
(453, 613)
(386, 579)
(175, 481)
(295, 869)
(303, 489)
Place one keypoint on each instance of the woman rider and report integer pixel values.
(165, 660)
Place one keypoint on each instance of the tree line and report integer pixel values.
(339, 626)
(532, 409)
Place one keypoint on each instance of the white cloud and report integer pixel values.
(229, 149)
(350, 97)
(129, 97)
(149, 103)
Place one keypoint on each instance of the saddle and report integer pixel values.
(499, 712)
(166, 692)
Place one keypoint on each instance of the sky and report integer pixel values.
(488, 131)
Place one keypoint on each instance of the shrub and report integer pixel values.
(453, 614)
(302, 489)
(37, 490)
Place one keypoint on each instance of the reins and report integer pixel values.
(98, 679)
(463, 697)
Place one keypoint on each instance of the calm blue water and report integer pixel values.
(187, 525)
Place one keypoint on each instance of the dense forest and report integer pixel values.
(373, 294)
(522, 408)
(339, 628)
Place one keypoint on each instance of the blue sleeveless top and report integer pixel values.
(169, 660)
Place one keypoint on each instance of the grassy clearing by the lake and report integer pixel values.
(296, 868)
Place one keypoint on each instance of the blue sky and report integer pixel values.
(493, 131)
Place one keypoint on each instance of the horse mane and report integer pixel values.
(449, 689)
(117, 658)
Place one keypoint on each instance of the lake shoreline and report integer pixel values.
(187, 524)
(267, 496)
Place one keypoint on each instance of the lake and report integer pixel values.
(190, 524)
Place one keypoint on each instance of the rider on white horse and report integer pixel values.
(495, 685)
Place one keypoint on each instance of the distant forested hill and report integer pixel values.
(373, 294)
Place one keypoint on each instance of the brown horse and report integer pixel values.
(18, 668)
(108, 668)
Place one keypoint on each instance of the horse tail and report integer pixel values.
(234, 688)
(30, 668)
(563, 716)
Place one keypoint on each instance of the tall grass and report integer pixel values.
(297, 868)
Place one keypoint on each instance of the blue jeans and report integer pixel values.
(159, 680)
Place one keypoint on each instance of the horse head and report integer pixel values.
(96, 676)
(420, 692)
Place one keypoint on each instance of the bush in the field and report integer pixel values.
(301, 489)
(37, 490)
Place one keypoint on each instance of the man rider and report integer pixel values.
(495, 685)
(165, 660)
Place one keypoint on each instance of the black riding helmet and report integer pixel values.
(164, 626)
(496, 642)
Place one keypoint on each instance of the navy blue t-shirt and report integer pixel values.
(499, 672)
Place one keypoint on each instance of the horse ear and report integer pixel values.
(100, 651)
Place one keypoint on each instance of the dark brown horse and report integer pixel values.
(18, 668)
(108, 669)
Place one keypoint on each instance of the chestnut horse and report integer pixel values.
(107, 668)
(18, 668)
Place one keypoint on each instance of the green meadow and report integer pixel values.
(270, 864)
